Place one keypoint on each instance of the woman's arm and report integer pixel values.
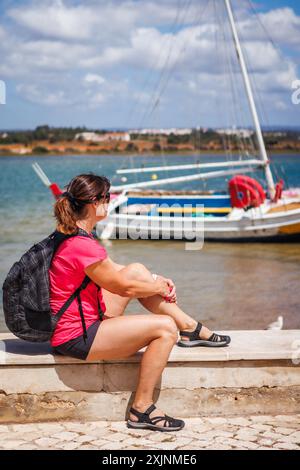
(105, 274)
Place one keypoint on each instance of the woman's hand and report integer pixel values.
(170, 295)
(109, 276)
(162, 287)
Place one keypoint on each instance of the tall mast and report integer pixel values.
(261, 143)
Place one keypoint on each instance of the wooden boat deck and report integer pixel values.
(173, 193)
(284, 208)
(194, 210)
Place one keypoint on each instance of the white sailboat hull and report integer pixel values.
(270, 221)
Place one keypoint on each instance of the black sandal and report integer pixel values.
(145, 422)
(215, 341)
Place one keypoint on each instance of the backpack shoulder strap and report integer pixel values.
(75, 294)
(58, 239)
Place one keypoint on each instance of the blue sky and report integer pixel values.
(146, 63)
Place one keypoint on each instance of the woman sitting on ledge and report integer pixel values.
(113, 286)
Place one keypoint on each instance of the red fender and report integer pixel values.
(278, 191)
(245, 192)
(55, 189)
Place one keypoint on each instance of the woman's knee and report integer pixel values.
(167, 325)
(136, 270)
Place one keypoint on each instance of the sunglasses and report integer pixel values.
(106, 197)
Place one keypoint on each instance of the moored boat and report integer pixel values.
(247, 212)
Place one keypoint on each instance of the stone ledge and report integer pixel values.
(257, 373)
(246, 345)
(114, 378)
(83, 406)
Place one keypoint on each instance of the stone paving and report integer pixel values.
(249, 433)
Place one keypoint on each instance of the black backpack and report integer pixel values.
(26, 301)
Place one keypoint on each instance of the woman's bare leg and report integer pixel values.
(154, 304)
(115, 304)
(121, 337)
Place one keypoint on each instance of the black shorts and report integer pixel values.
(76, 347)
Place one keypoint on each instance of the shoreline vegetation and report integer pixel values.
(181, 153)
(45, 140)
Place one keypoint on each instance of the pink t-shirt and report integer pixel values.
(65, 275)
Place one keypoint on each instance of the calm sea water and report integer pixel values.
(234, 286)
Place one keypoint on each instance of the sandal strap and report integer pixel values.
(143, 416)
(165, 418)
(194, 335)
(150, 409)
(217, 338)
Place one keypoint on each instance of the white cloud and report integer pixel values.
(105, 19)
(94, 78)
(96, 100)
(282, 24)
(277, 80)
(40, 95)
(2, 33)
(262, 56)
(280, 105)
(56, 20)
(126, 41)
(91, 52)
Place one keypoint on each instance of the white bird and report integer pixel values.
(276, 325)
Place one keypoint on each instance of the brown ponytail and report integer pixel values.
(72, 205)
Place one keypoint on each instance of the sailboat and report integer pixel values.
(248, 212)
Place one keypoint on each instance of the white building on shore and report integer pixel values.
(243, 133)
(105, 137)
(166, 132)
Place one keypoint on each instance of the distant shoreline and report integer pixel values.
(46, 140)
(142, 154)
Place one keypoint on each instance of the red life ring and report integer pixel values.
(245, 192)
